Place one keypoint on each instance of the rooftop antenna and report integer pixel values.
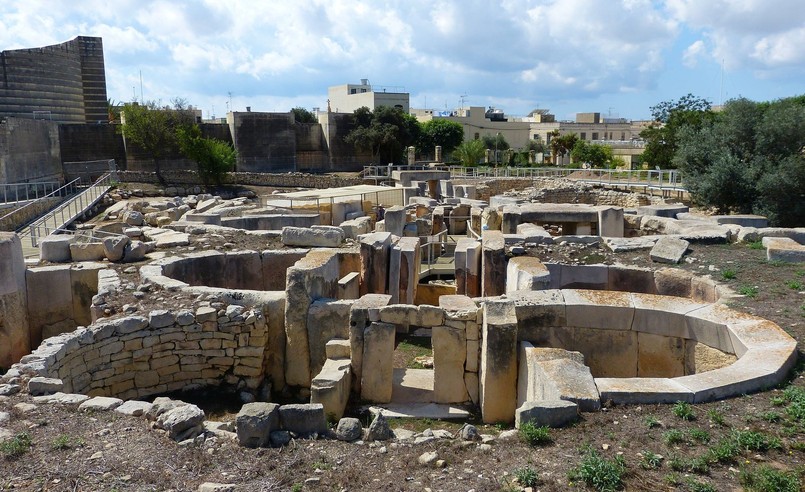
(229, 107)
(461, 99)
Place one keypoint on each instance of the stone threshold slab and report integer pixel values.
(419, 411)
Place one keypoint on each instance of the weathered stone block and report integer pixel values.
(449, 356)
(255, 422)
(498, 372)
(378, 351)
(550, 413)
(304, 418)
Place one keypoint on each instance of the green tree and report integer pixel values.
(561, 145)
(446, 133)
(497, 143)
(385, 132)
(669, 117)
(214, 157)
(598, 156)
(470, 152)
(302, 115)
(748, 158)
(153, 128)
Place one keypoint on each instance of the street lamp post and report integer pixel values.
(497, 140)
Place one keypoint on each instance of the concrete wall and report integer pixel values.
(29, 151)
(67, 80)
(265, 142)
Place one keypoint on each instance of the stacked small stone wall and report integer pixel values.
(557, 190)
(279, 180)
(135, 356)
(24, 215)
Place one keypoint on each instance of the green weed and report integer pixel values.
(748, 291)
(64, 441)
(766, 479)
(694, 485)
(756, 245)
(699, 435)
(794, 284)
(728, 274)
(17, 445)
(684, 410)
(600, 473)
(673, 436)
(771, 417)
(715, 416)
(652, 422)
(534, 435)
(526, 476)
(649, 460)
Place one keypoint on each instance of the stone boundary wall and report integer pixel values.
(13, 222)
(280, 180)
(135, 357)
(558, 190)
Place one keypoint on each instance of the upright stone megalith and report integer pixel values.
(378, 366)
(498, 374)
(14, 336)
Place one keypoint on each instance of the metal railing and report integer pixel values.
(62, 192)
(55, 220)
(23, 192)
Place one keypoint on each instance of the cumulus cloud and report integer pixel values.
(692, 54)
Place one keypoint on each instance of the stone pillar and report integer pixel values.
(458, 220)
(610, 222)
(498, 371)
(313, 277)
(404, 267)
(473, 267)
(493, 282)
(488, 156)
(14, 337)
(411, 155)
(449, 355)
(50, 302)
(374, 251)
(438, 154)
(378, 363)
(438, 220)
(358, 322)
(395, 218)
(526, 273)
(467, 261)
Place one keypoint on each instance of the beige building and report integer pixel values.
(349, 97)
(479, 122)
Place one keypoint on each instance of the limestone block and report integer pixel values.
(753, 234)
(428, 316)
(703, 289)
(134, 408)
(313, 237)
(43, 386)
(498, 372)
(377, 370)
(784, 249)
(578, 276)
(663, 315)
(635, 391)
(669, 250)
(337, 349)
(100, 404)
(356, 227)
(358, 322)
(87, 251)
(550, 413)
(752, 333)
(610, 221)
(471, 382)
(50, 301)
(526, 273)
(331, 387)
(458, 307)
(303, 418)
(493, 264)
(244, 270)
(660, 356)
(327, 319)
(276, 264)
(599, 309)
(404, 266)
(349, 286)
(135, 251)
(395, 218)
(624, 244)
(702, 358)
(673, 282)
(449, 356)
(537, 310)
(555, 376)
(631, 279)
(84, 284)
(708, 325)
(473, 351)
(255, 422)
(313, 277)
(15, 340)
(181, 419)
(374, 250)
(55, 248)
(532, 233)
(663, 210)
(114, 247)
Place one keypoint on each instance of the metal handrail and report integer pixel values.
(72, 185)
(87, 198)
(26, 189)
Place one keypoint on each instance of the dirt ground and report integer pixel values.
(106, 451)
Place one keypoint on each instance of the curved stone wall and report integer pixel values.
(67, 80)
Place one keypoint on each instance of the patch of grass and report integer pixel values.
(756, 245)
(684, 410)
(766, 479)
(412, 347)
(694, 485)
(778, 401)
(16, 446)
(652, 422)
(715, 416)
(750, 291)
(673, 436)
(755, 441)
(599, 473)
(649, 460)
(63, 441)
(322, 465)
(693, 465)
(526, 476)
(724, 451)
(699, 435)
(674, 479)
(794, 284)
(771, 417)
(728, 274)
(535, 435)
(297, 487)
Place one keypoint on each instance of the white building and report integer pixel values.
(349, 97)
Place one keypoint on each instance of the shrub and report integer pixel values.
(766, 479)
(535, 435)
(600, 473)
(17, 445)
(527, 476)
(684, 410)
(724, 451)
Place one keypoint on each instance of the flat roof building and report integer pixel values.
(349, 97)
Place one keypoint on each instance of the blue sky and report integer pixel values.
(617, 57)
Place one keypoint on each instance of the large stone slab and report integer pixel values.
(498, 371)
(664, 210)
(550, 413)
(374, 251)
(552, 376)
(377, 369)
(331, 387)
(313, 237)
(635, 391)
(255, 422)
(536, 311)
(527, 273)
(404, 266)
(493, 264)
(327, 319)
(669, 250)
(15, 340)
(599, 309)
(784, 249)
(303, 418)
(449, 355)
(55, 248)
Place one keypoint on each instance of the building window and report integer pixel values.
(595, 136)
(477, 136)
(623, 135)
(353, 91)
(363, 90)
(584, 135)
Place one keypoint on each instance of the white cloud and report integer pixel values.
(692, 54)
